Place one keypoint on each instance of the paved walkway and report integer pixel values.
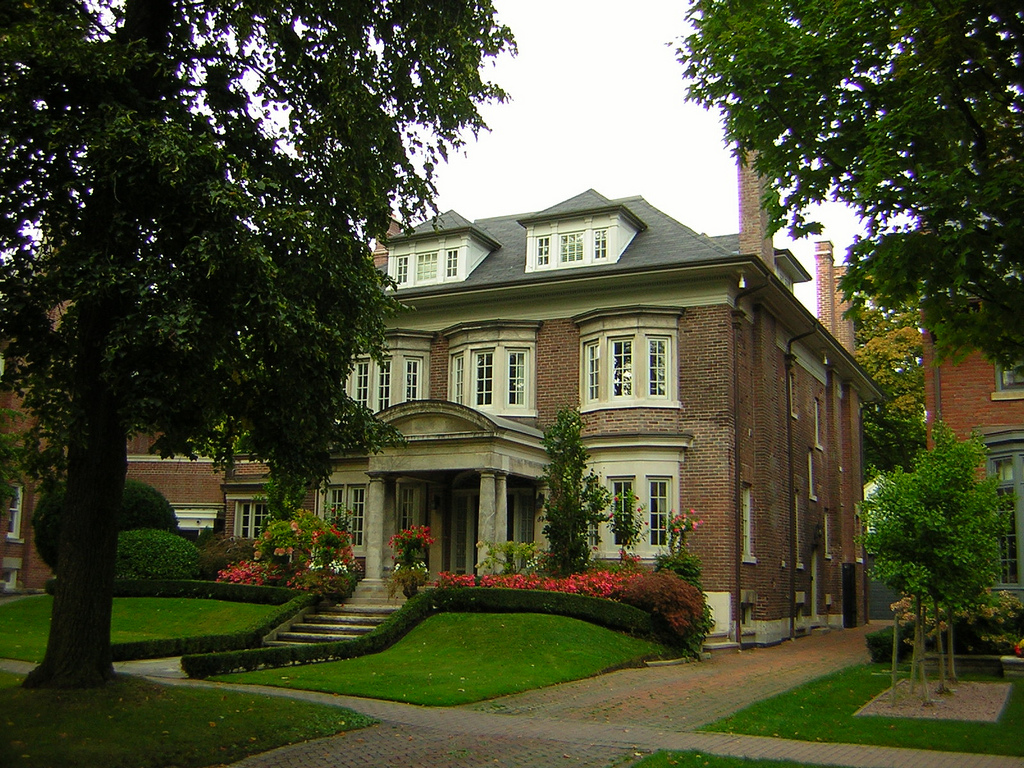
(611, 720)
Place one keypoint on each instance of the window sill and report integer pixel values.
(14, 539)
(1008, 394)
(749, 560)
(615, 405)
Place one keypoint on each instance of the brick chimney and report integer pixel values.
(380, 250)
(831, 306)
(754, 237)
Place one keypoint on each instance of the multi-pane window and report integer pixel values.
(1008, 555)
(543, 251)
(600, 243)
(657, 367)
(747, 522)
(384, 384)
(451, 263)
(484, 378)
(621, 488)
(407, 516)
(592, 356)
(827, 535)
(362, 388)
(571, 247)
(622, 367)
(811, 482)
(412, 378)
(517, 377)
(1010, 378)
(459, 379)
(349, 502)
(657, 505)
(426, 267)
(14, 507)
(402, 269)
(817, 423)
(251, 517)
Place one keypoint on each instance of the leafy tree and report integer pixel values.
(912, 114)
(576, 498)
(186, 198)
(934, 532)
(889, 345)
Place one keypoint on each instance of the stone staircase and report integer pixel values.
(327, 623)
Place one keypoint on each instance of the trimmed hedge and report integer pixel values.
(606, 613)
(203, 590)
(880, 645)
(148, 553)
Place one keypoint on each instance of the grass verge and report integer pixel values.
(823, 710)
(457, 658)
(133, 723)
(25, 623)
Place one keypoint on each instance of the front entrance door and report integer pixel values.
(462, 531)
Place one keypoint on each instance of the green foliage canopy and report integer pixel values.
(186, 200)
(912, 114)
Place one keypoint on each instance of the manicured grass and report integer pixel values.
(133, 723)
(823, 711)
(700, 760)
(456, 658)
(25, 623)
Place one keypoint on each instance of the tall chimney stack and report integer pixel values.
(754, 237)
(831, 306)
(380, 250)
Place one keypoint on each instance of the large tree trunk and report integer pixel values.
(78, 651)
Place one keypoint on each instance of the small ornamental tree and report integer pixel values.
(576, 500)
(934, 532)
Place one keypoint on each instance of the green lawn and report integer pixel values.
(456, 658)
(823, 711)
(133, 723)
(25, 623)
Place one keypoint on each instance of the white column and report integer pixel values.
(500, 507)
(374, 532)
(485, 524)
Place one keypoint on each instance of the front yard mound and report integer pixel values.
(967, 701)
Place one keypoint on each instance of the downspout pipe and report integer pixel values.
(790, 358)
(737, 478)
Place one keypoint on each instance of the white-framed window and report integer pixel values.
(451, 262)
(484, 377)
(817, 425)
(622, 367)
(349, 500)
(517, 377)
(543, 251)
(811, 480)
(250, 517)
(570, 247)
(426, 267)
(15, 504)
(401, 269)
(459, 379)
(621, 486)
(1009, 378)
(362, 388)
(592, 356)
(412, 378)
(747, 522)
(658, 509)
(600, 244)
(798, 522)
(827, 535)
(1004, 469)
(628, 358)
(384, 384)
(657, 367)
(791, 383)
(409, 506)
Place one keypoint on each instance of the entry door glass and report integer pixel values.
(463, 534)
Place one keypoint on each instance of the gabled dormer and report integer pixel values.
(444, 250)
(585, 230)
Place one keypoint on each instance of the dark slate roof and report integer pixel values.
(662, 242)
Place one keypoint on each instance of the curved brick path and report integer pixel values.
(610, 720)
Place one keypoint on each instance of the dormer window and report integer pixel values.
(426, 267)
(452, 263)
(543, 251)
(600, 243)
(571, 247)
(402, 270)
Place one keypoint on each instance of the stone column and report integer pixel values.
(500, 507)
(485, 526)
(374, 531)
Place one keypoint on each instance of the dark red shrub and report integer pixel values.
(679, 604)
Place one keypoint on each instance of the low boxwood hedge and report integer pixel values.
(606, 613)
(204, 590)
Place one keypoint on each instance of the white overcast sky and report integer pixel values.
(597, 100)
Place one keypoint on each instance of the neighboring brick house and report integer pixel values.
(975, 395)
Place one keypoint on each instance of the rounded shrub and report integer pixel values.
(677, 608)
(148, 553)
(142, 506)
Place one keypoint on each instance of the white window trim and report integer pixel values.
(15, 512)
(500, 340)
(811, 479)
(253, 529)
(345, 496)
(747, 524)
(666, 514)
(817, 425)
